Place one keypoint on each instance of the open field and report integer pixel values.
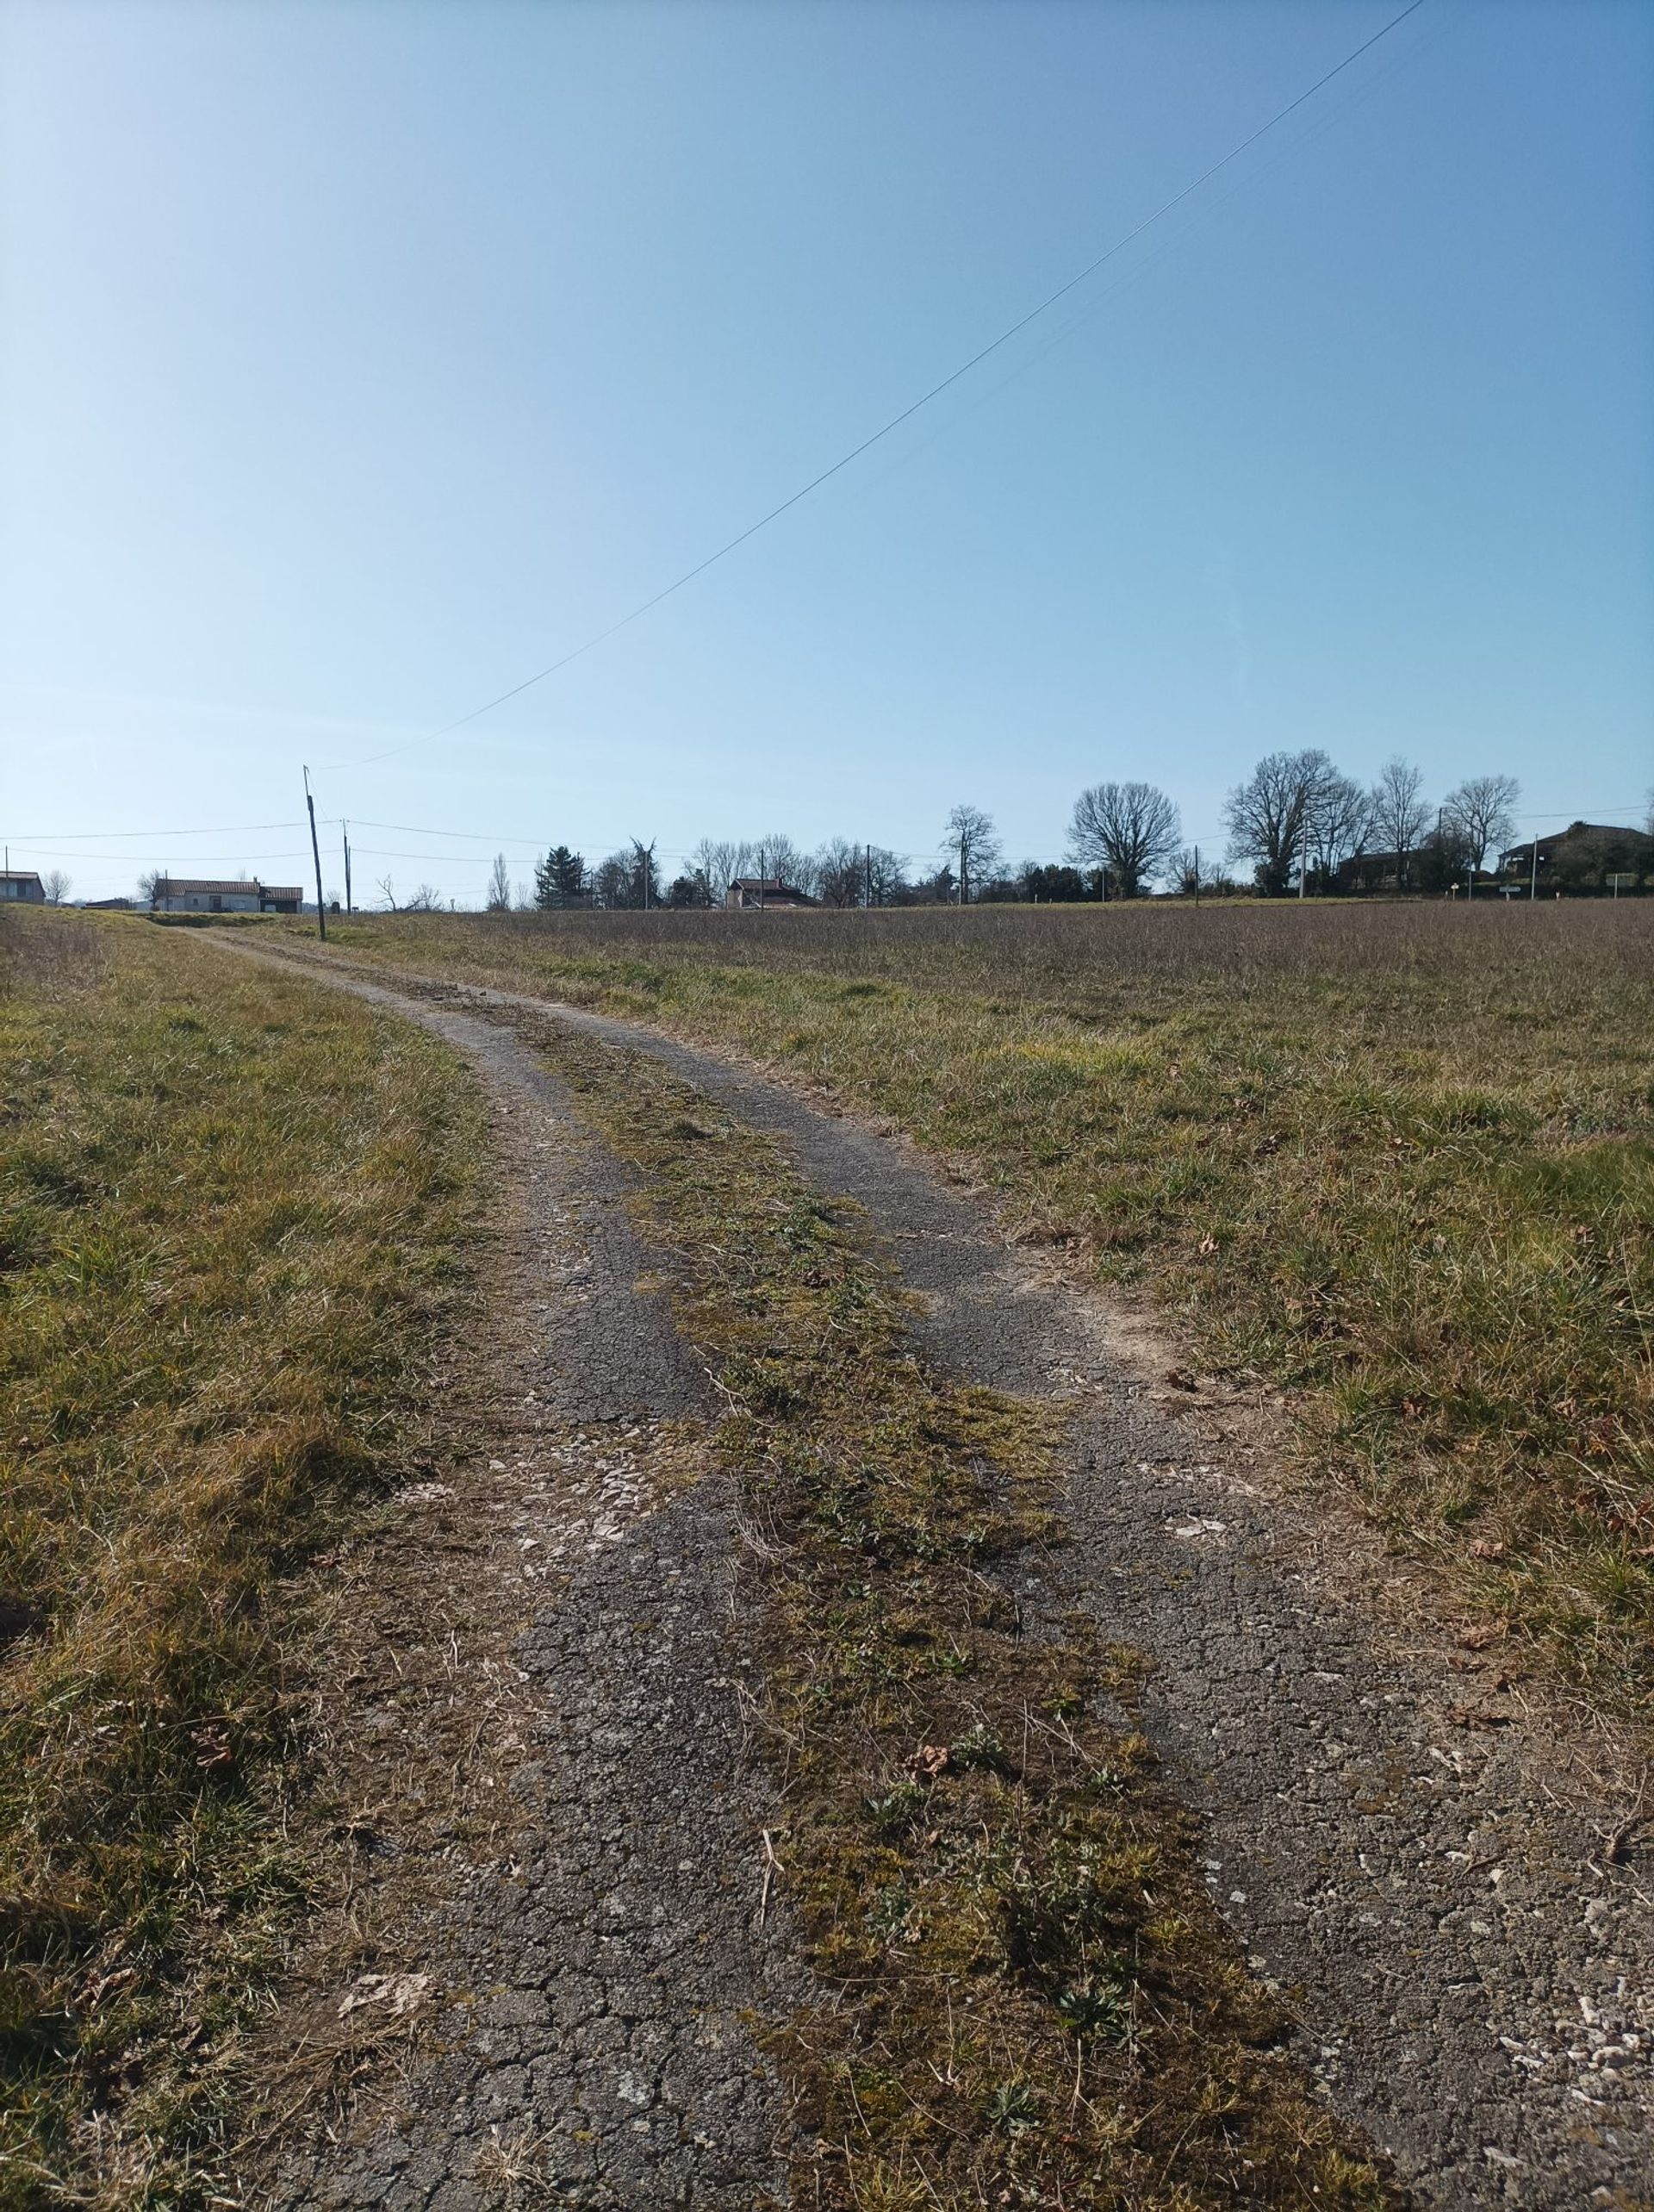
(1397, 1160)
(232, 1213)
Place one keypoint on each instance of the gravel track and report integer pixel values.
(1472, 1970)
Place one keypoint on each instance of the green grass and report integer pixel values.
(1026, 1996)
(231, 1214)
(1398, 1159)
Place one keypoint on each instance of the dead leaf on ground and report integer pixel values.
(1487, 1548)
(1475, 1717)
(932, 1759)
(1479, 1636)
(400, 1993)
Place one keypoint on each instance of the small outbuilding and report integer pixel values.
(22, 884)
(765, 891)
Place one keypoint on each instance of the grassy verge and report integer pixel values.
(1029, 1998)
(1398, 1159)
(230, 1215)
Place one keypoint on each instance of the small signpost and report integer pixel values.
(1614, 881)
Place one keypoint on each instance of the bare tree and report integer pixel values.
(628, 878)
(720, 860)
(972, 845)
(841, 875)
(1129, 829)
(1482, 811)
(387, 893)
(1399, 812)
(498, 899)
(781, 860)
(884, 876)
(146, 885)
(1268, 816)
(427, 899)
(56, 885)
(1340, 822)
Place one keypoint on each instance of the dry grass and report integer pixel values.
(1027, 1995)
(1399, 1159)
(231, 1212)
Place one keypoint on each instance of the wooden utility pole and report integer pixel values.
(344, 832)
(315, 854)
(867, 896)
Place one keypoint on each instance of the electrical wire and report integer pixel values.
(895, 422)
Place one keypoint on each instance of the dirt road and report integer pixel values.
(1381, 1823)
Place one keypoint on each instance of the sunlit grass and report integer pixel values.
(1400, 1159)
(1025, 1995)
(229, 1214)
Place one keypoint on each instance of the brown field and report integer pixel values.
(1397, 1160)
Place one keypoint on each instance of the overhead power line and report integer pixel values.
(906, 413)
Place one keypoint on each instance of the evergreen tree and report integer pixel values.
(559, 879)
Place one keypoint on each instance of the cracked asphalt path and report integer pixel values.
(1471, 1972)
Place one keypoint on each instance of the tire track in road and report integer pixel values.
(1473, 1975)
(598, 1976)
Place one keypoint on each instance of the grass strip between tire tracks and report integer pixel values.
(1028, 1998)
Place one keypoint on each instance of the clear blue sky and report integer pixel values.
(358, 359)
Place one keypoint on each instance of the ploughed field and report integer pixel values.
(1396, 1160)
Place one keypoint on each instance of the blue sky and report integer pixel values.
(358, 361)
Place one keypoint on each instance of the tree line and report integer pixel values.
(1296, 821)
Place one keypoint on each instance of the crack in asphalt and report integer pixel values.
(1471, 1976)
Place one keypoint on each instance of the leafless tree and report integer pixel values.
(841, 873)
(1482, 811)
(146, 885)
(1267, 816)
(1129, 829)
(780, 860)
(1399, 812)
(720, 860)
(973, 846)
(498, 899)
(885, 873)
(427, 899)
(55, 883)
(628, 878)
(387, 893)
(1340, 822)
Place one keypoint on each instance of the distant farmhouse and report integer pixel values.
(1585, 858)
(22, 884)
(765, 891)
(1426, 868)
(182, 894)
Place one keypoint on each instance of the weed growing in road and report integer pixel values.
(1398, 1159)
(1028, 1998)
(229, 1212)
